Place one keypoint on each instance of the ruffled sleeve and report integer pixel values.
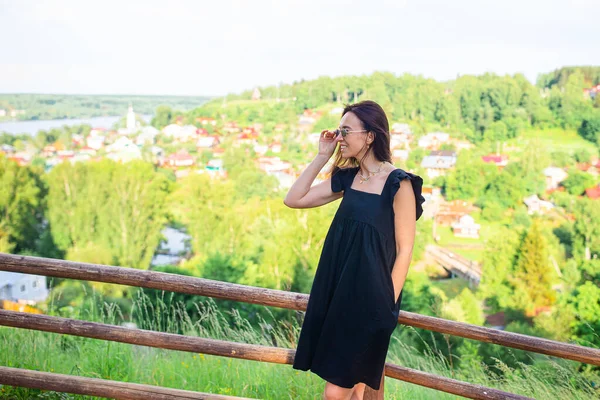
(339, 180)
(417, 186)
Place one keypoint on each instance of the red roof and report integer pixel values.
(494, 158)
(180, 155)
(593, 193)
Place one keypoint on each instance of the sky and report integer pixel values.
(212, 48)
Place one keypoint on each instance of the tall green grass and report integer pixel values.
(130, 363)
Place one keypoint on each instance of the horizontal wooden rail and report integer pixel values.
(226, 349)
(279, 298)
(99, 387)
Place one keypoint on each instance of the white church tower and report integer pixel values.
(131, 124)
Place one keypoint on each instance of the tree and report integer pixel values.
(21, 206)
(105, 211)
(498, 265)
(586, 303)
(577, 182)
(162, 117)
(469, 178)
(590, 127)
(532, 281)
(587, 225)
(573, 105)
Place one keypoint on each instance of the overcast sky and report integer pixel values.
(221, 46)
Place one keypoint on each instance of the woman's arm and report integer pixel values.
(302, 195)
(405, 230)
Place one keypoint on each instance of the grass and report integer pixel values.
(551, 140)
(64, 354)
(462, 247)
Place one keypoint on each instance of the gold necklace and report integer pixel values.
(363, 179)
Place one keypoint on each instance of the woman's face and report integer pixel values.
(354, 143)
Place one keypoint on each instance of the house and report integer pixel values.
(2, 112)
(592, 92)
(554, 176)
(309, 117)
(399, 140)
(7, 149)
(437, 163)
(256, 94)
(48, 151)
(123, 150)
(147, 136)
(179, 160)
(21, 157)
(87, 150)
(466, 227)
(452, 211)
(181, 133)
(122, 143)
(171, 130)
(336, 111)
(207, 142)
(275, 147)
(282, 170)
(218, 152)
(536, 205)
(433, 140)
(206, 121)
(244, 138)
(593, 193)
(231, 127)
(22, 288)
(77, 140)
(400, 154)
(501, 160)
(95, 142)
(272, 164)
(261, 149)
(402, 129)
(216, 164)
(431, 192)
(20, 160)
(97, 132)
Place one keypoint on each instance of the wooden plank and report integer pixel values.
(279, 298)
(98, 387)
(447, 385)
(142, 337)
(220, 348)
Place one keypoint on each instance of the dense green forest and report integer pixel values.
(542, 272)
(59, 106)
(482, 109)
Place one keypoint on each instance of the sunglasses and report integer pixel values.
(345, 131)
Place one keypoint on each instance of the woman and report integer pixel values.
(355, 297)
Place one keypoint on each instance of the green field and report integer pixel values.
(550, 140)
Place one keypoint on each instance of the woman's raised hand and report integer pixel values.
(327, 142)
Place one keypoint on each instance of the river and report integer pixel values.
(33, 127)
(175, 246)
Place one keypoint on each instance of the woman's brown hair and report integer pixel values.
(374, 120)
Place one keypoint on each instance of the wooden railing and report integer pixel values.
(236, 292)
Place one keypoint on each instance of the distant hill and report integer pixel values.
(559, 77)
(59, 106)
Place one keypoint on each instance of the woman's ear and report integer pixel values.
(372, 136)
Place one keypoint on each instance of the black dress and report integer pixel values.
(351, 311)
